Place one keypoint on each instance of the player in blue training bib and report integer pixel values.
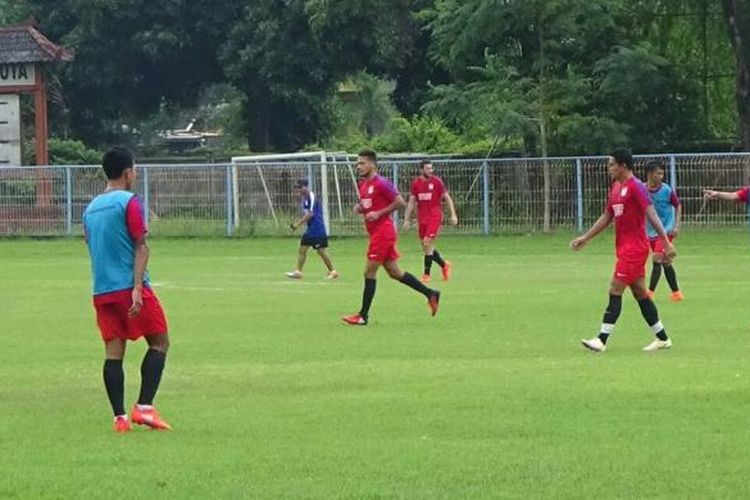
(668, 208)
(315, 235)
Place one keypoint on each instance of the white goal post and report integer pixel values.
(320, 157)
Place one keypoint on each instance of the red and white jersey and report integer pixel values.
(376, 194)
(429, 195)
(627, 204)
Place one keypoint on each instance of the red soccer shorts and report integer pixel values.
(629, 270)
(657, 244)
(113, 320)
(382, 249)
(429, 229)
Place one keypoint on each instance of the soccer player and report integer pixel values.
(378, 199)
(428, 193)
(629, 205)
(668, 208)
(126, 306)
(315, 235)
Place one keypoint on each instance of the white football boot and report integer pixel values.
(594, 344)
(658, 344)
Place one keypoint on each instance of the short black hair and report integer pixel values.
(301, 183)
(654, 165)
(623, 156)
(369, 154)
(115, 161)
(425, 162)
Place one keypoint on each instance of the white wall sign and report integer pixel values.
(10, 129)
(12, 74)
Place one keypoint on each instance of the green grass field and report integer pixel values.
(270, 396)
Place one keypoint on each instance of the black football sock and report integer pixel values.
(610, 317)
(427, 264)
(655, 276)
(412, 282)
(651, 315)
(114, 381)
(438, 258)
(367, 295)
(669, 273)
(151, 370)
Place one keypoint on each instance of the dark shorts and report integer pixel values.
(317, 242)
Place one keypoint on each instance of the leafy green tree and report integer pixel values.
(737, 14)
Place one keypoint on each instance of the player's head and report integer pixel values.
(367, 162)
(302, 186)
(118, 165)
(655, 172)
(620, 163)
(425, 166)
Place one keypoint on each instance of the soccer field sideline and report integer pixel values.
(270, 396)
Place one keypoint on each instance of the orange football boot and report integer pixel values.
(434, 302)
(149, 417)
(446, 270)
(122, 424)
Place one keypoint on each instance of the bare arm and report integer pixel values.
(139, 271)
(305, 218)
(451, 208)
(677, 219)
(600, 225)
(398, 203)
(409, 210)
(720, 195)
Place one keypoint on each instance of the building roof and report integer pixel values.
(25, 44)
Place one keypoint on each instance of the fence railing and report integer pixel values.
(244, 199)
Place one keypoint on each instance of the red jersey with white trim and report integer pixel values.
(376, 194)
(627, 204)
(429, 195)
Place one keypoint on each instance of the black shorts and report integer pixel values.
(317, 242)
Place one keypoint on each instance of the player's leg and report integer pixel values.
(671, 276)
(114, 380)
(428, 250)
(611, 314)
(152, 367)
(395, 272)
(301, 258)
(656, 269)
(152, 320)
(651, 315)
(368, 293)
(332, 273)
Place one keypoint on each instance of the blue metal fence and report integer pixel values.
(239, 199)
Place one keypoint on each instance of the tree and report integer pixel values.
(132, 56)
(287, 57)
(738, 22)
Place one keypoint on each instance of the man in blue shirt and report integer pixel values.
(669, 210)
(315, 235)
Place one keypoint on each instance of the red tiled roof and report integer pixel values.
(24, 44)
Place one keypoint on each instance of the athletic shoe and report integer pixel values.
(425, 278)
(446, 270)
(332, 275)
(355, 319)
(149, 417)
(651, 294)
(658, 344)
(676, 296)
(594, 344)
(295, 275)
(434, 302)
(122, 424)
